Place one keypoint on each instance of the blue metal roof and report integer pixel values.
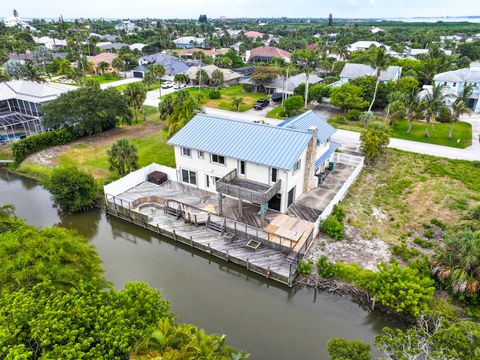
(307, 120)
(325, 156)
(261, 144)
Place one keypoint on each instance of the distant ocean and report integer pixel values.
(473, 19)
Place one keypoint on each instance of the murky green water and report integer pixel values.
(268, 320)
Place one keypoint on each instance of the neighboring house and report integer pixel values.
(212, 53)
(108, 46)
(354, 71)
(375, 30)
(279, 85)
(189, 42)
(126, 25)
(365, 45)
(212, 153)
(12, 21)
(21, 106)
(266, 54)
(454, 38)
(21, 58)
(50, 43)
(103, 57)
(137, 46)
(454, 82)
(230, 77)
(254, 34)
(234, 33)
(172, 64)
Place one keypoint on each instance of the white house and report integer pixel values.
(126, 25)
(454, 82)
(258, 163)
(188, 42)
(50, 43)
(12, 21)
(375, 30)
(365, 45)
(354, 71)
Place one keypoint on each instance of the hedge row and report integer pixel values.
(32, 144)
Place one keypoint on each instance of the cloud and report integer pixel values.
(371, 1)
(352, 2)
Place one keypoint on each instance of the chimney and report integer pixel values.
(309, 176)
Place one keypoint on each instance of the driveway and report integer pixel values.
(153, 96)
(119, 82)
(251, 115)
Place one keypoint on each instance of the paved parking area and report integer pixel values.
(321, 196)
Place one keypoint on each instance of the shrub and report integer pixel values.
(429, 234)
(325, 268)
(402, 289)
(293, 104)
(338, 212)
(341, 349)
(422, 243)
(72, 190)
(214, 94)
(333, 228)
(404, 251)
(353, 115)
(305, 267)
(32, 144)
(438, 223)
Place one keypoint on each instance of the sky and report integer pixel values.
(239, 8)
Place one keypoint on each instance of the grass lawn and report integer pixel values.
(121, 88)
(462, 133)
(5, 153)
(275, 113)
(227, 95)
(402, 191)
(106, 78)
(90, 154)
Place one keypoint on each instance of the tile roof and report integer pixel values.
(32, 91)
(267, 145)
(228, 74)
(308, 119)
(172, 64)
(253, 34)
(103, 57)
(269, 52)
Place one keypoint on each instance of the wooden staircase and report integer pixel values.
(220, 228)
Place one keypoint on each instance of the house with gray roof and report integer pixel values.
(21, 106)
(112, 46)
(354, 71)
(188, 42)
(225, 155)
(172, 64)
(454, 81)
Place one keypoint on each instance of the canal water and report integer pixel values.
(266, 319)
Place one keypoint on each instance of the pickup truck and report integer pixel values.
(261, 104)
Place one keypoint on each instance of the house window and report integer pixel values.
(216, 179)
(454, 84)
(296, 167)
(186, 152)
(218, 159)
(189, 177)
(200, 155)
(242, 167)
(207, 177)
(273, 175)
(444, 83)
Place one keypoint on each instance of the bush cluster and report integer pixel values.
(333, 224)
(214, 94)
(32, 144)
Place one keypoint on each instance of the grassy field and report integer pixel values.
(462, 133)
(227, 95)
(5, 153)
(90, 154)
(403, 191)
(121, 88)
(103, 79)
(275, 113)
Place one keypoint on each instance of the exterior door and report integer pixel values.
(291, 196)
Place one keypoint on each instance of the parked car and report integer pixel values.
(261, 104)
(167, 85)
(177, 86)
(277, 98)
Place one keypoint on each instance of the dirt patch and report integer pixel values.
(366, 253)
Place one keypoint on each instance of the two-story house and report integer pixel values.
(355, 71)
(260, 164)
(454, 82)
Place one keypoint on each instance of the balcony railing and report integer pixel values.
(254, 192)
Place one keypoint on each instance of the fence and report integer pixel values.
(137, 177)
(358, 162)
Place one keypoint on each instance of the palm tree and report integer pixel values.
(380, 62)
(413, 108)
(123, 157)
(459, 260)
(201, 77)
(308, 62)
(460, 107)
(177, 109)
(103, 66)
(237, 102)
(158, 72)
(135, 94)
(432, 103)
(30, 72)
(181, 78)
(148, 79)
(217, 78)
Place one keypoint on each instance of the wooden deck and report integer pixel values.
(291, 228)
(303, 212)
(265, 261)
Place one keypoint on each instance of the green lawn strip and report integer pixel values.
(275, 113)
(106, 78)
(5, 153)
(462, 133)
